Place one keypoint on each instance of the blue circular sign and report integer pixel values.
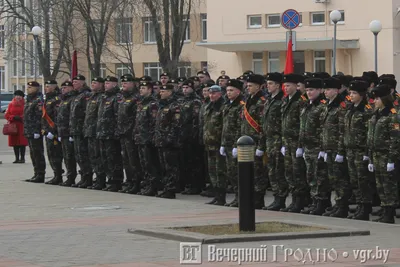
(290, 19)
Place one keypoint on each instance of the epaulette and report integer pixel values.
(348, 98)
(262, 98)
(397, 94)
(242, 102)
(342, 104)
(371, 101)
(368, 106)
(323, 101)
(393, 111)
(304, 98)
(56, 97)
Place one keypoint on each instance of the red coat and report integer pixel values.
(16, 108)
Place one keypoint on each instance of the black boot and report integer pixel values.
(221, 197)
(357, 210)
(87, 183)
(234, 202)
(167, 194)
(115, 186)
(331, 210)
(343, 209)
(322, 204)
(82, 181)
(381, 214)
(279, 204)
(389, 214)
(365, 210)
(259, 200)
(22, 154)
(312, 206)
(134, 189)
(215, 194)
(57, 180)
(16, 153)
(272, 204)
(291, 205)
(69, 182)
(378, 212)
(38, 179)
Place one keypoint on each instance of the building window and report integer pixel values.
(184, 69)
(149, 31)
(121, 69)
(14, 87)
(258, 62)
(301, 19)
(204, 27)
(103, 71)
(341, 21)
(2, 78)
(23, 88)
(187, 31)
(273, 20)
(318, 18)
(204, 65)
(2, 36)
(319, 61)
(153, 70)
(273, 62)
(254, 21)
(123, 31)
(22, 67)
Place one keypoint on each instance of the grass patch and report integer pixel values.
(261, 228)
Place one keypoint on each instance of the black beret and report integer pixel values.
(223, 77)
(293, 78)
(66, 83)
(79, 77)
(34, 84)
(188, 83)
(207, 84)
(111, 79)
(168, 86)
(164, 74)
(194, 78)
(146, 83)
(203, 72)
(255, 78)
(98, 79)
(392, 83)
(332, 83)
(127, 79)
(19, 92)
(172, 81)
(314, 83)
(157, 83)
(235, 83)
(182, 79)
(321, 75)
(146, 79)
(126, 75)
(53, 82)
(360, 86)
(381, 90)
(274, 76)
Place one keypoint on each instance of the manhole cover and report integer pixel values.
(90, 208)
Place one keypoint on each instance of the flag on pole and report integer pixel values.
(289, 65)
(74, 65)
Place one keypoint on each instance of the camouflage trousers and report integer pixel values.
(69, 158)
(260, 175)
(231, 169)
(295, 169)
(216, 169)
(338, 179)
(191, 166)
(276, 169)
(169, 161)
(95, 157)
(149, 162)
(55, 155)
(386, 182)
(111, 158)
(82, 155)
(359, 179)
(317, 174)
(36, 149)
(131, 160)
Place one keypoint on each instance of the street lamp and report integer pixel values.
(36, 31)
(375, 27)
(335, 16)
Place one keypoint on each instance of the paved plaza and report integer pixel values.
(52, 226)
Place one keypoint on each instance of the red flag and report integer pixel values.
(74, 70)
(289, 66)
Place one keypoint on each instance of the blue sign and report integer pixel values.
(290, 19)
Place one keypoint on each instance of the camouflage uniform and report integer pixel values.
(53, 146)
(203, 162)
(63, 127)
(107, 133)
(77, 118)
(32, 126)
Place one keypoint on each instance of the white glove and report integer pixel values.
(365, 158)
(326, 157)
(222, 151)
(59, 139)
(234, 152)
(50, 136)
(71, 139)
(283, 150)
(371, 167)
(36, 136)
(321, 154)
(259, 153)
(299, 153)
(339, 158)
(390, 167)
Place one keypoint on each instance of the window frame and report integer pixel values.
(120, 29)
(317, 23)
(253, 26)
(203, 27)
(271, 59)
(147, 69)
(315, 59)
(148, 21)
(257, 60)
(273, 25)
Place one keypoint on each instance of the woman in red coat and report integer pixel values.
(14, 114)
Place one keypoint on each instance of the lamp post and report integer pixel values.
(375, 27)
(335, 16)
(36, 31)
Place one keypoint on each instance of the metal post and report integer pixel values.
(376, 52)
(35, 55)
(334, 48)
(247, 215)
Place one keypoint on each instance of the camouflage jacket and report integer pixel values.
(92, 110)
(108, 114)
(33, 115)
(63, 114)
(232, 121)
(78, 111)
(332, 123)
(146, 114)
(345, 97)
(190, 109)
(396, 102)
(310, 124)
(254, 107)
(384, 134)
(201, 119)
(127, 113)
(168, 124)
(272, 123)
(355, 126)
(51, 105)
(213, 123)
(291, 109)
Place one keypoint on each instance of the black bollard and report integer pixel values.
(247, 214)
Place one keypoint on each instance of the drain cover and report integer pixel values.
(90, 208)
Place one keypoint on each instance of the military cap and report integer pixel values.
(321, 75)
(274, 76)
(203, 72)
(146, 78)
(315, 83)
(33, 84)
(194, 78)
(98, 79)
(136, 79)
(19, 93)
(392, 83)
(370, 76)
(157, 83)
(360, 86)
(127, 79)
(168, 86)
(111, 79)
(173, 81)
(188, 83)
(215, 88)
(344, 79)
(79, 77)
(126, 75)
(222, 77)
(164, 74)
(293, 78)
(381, 90)
(248, 72)
(255, 78)
(332, 82)
(390, 76)
(52, 82)
(182, 79)
(307, 75)
(66, 83)
(207, 84)
(236, 83)
(146, 83)
(359, 78)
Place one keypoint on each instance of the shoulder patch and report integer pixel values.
(396, 126)
(342, 104)
(242, 102)
(56, 97)
(393, 111)
(368, 106)
(348, 97)
(397, 94)
(323, 101)
(262, 98)
(304, 98)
